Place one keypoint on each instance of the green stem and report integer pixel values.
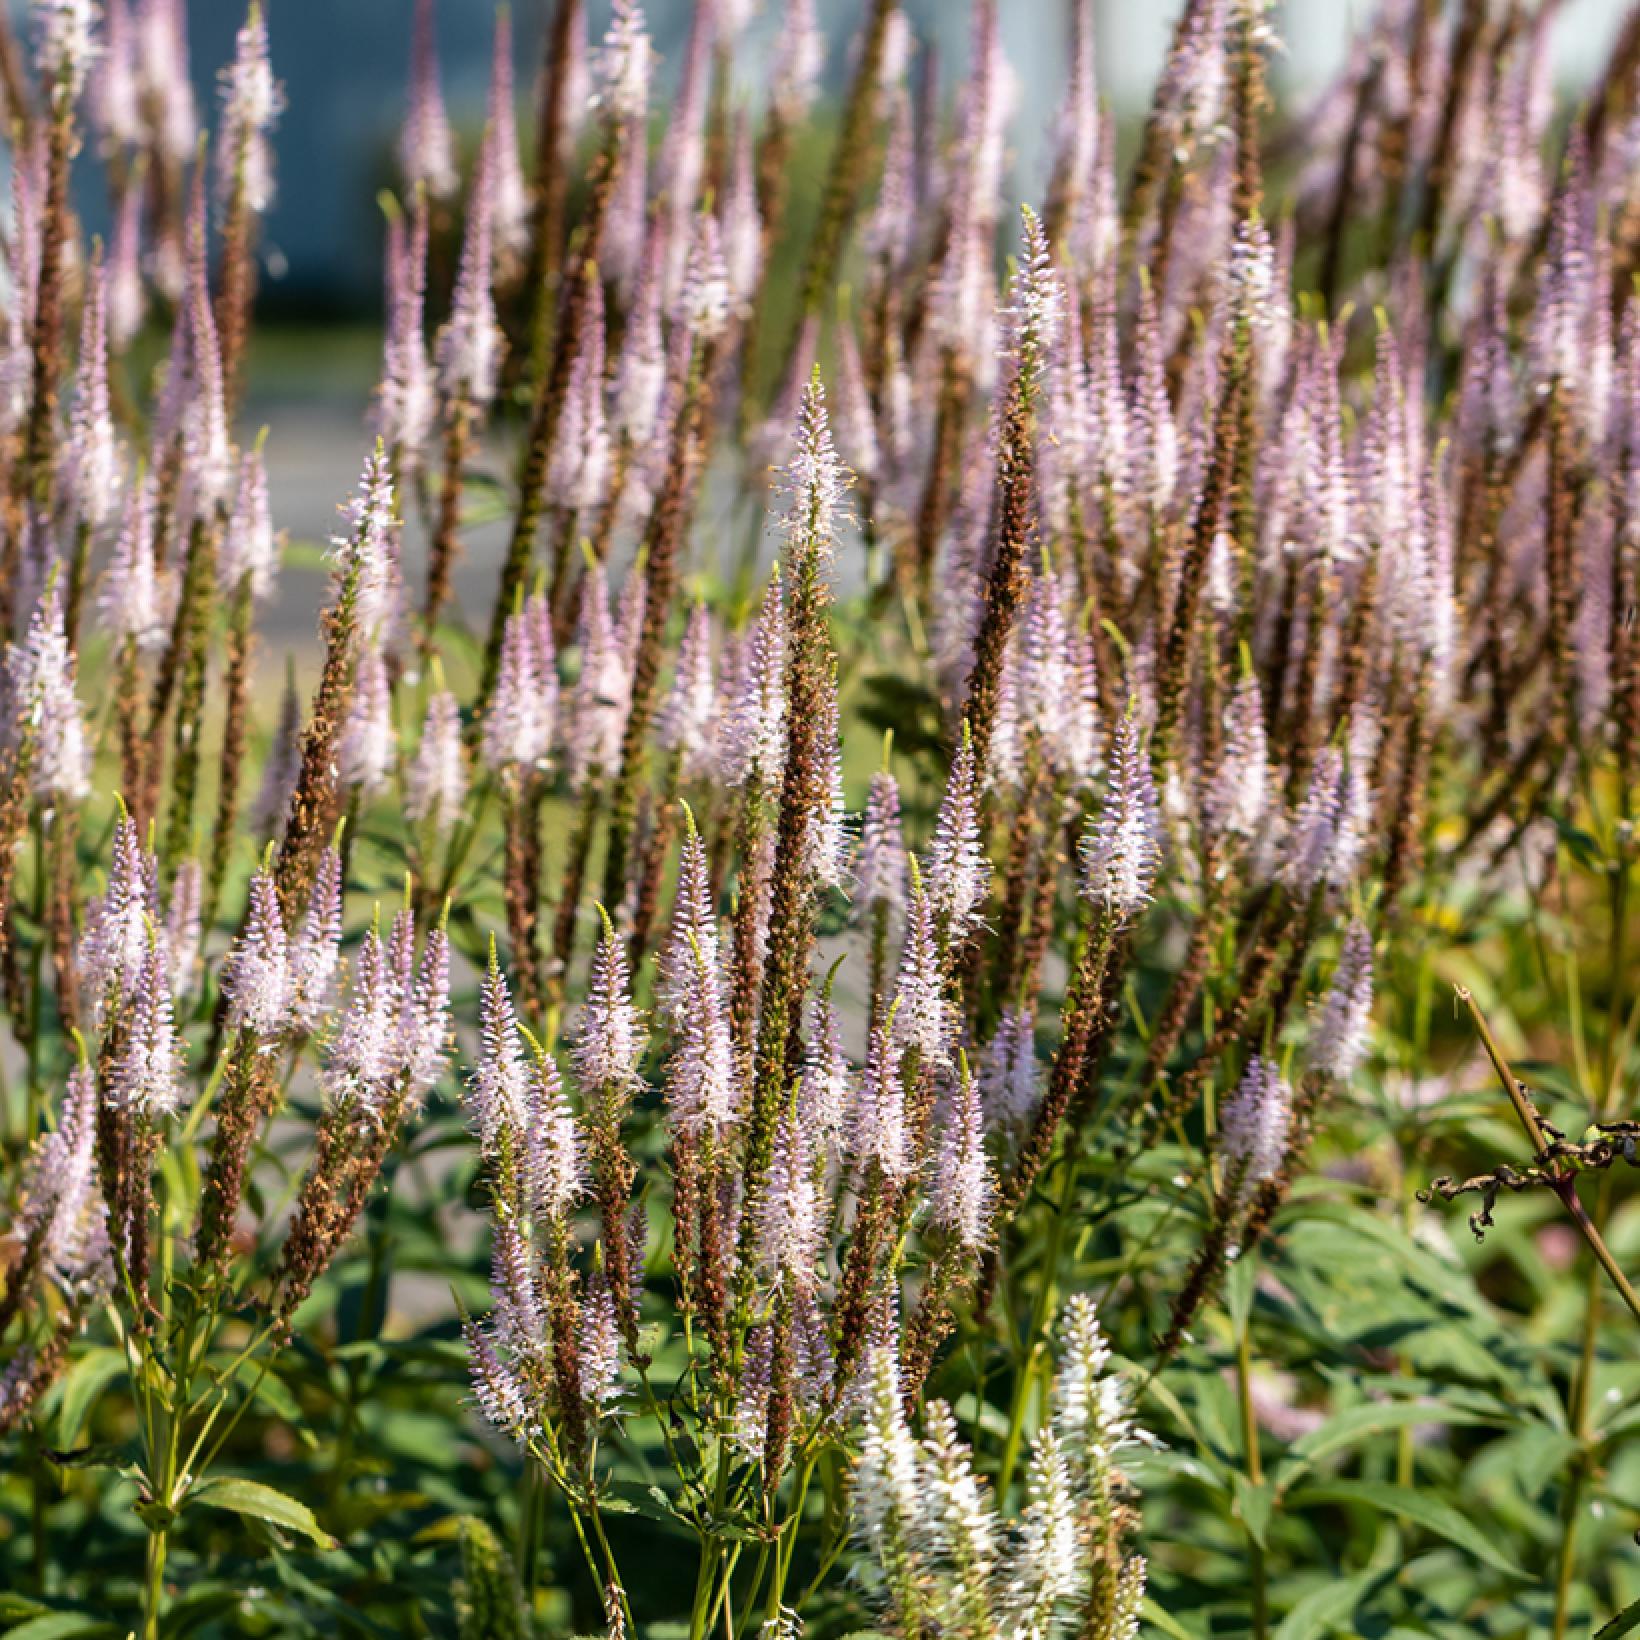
(529, 1532)
(786, 1548)
(723, 1600)
(1033, 1341)
(705, 1579)
(37, 1508)
(1255, 1473)
(153, 1585)
(613, 1570)
(759, 1566)
(1577, 1481)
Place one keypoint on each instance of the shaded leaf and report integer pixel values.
(1329, 1607)
(1359, 1423)
(1419, 1507)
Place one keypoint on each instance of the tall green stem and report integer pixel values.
(529, 1531)
(153, 1585)
(1255, 1472)
(1571, 1507)
(705, 1579)
(1033, 1341)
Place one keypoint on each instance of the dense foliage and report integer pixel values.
(918, 1089)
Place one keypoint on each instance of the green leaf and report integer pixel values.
(1329, 1607)
(268, 1388)
(243, 1497)
(1429, 1512)
(200, 1606)
(59, 1626)
(631, 1497)
(1254, 1504)
(345, 1618)
(1360, 1423)
(104, 1455)
(1158, 1619)
(1626, 1622)
(83, 1384)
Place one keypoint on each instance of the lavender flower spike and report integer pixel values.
(92, 455)
(611, 1038)
(554, 1167)
(368, 750)
(800, 58)
(135, 602)
(876, 1126)
(468, 350)
(60, 1201)
(117, 924)
(390, 1046)
(923, 1016)
(703, 1083)
(1238, 793)
(704, 300)
(1254, 1127)
(250, 545)
(1343, 1027)
(879, 872)
(257, 977)
(963, 1188)
(497, 1092)
(519, 723)
(958, 874)
(623, 64)
(579, 474)
(1036, 310)
(1120, 852)
(315, 950)
(207, 438)
(1010, 1080)
(791, 1216)
(599, 1348)
(437, 786)
(423, 1032)
(754, 739)
(815, 479)
(405, 408)
(510, 204)
(1325, 837)
(497, 1388)
(426, 147)
(44, 706)
(252, 101)
(147, 1076)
